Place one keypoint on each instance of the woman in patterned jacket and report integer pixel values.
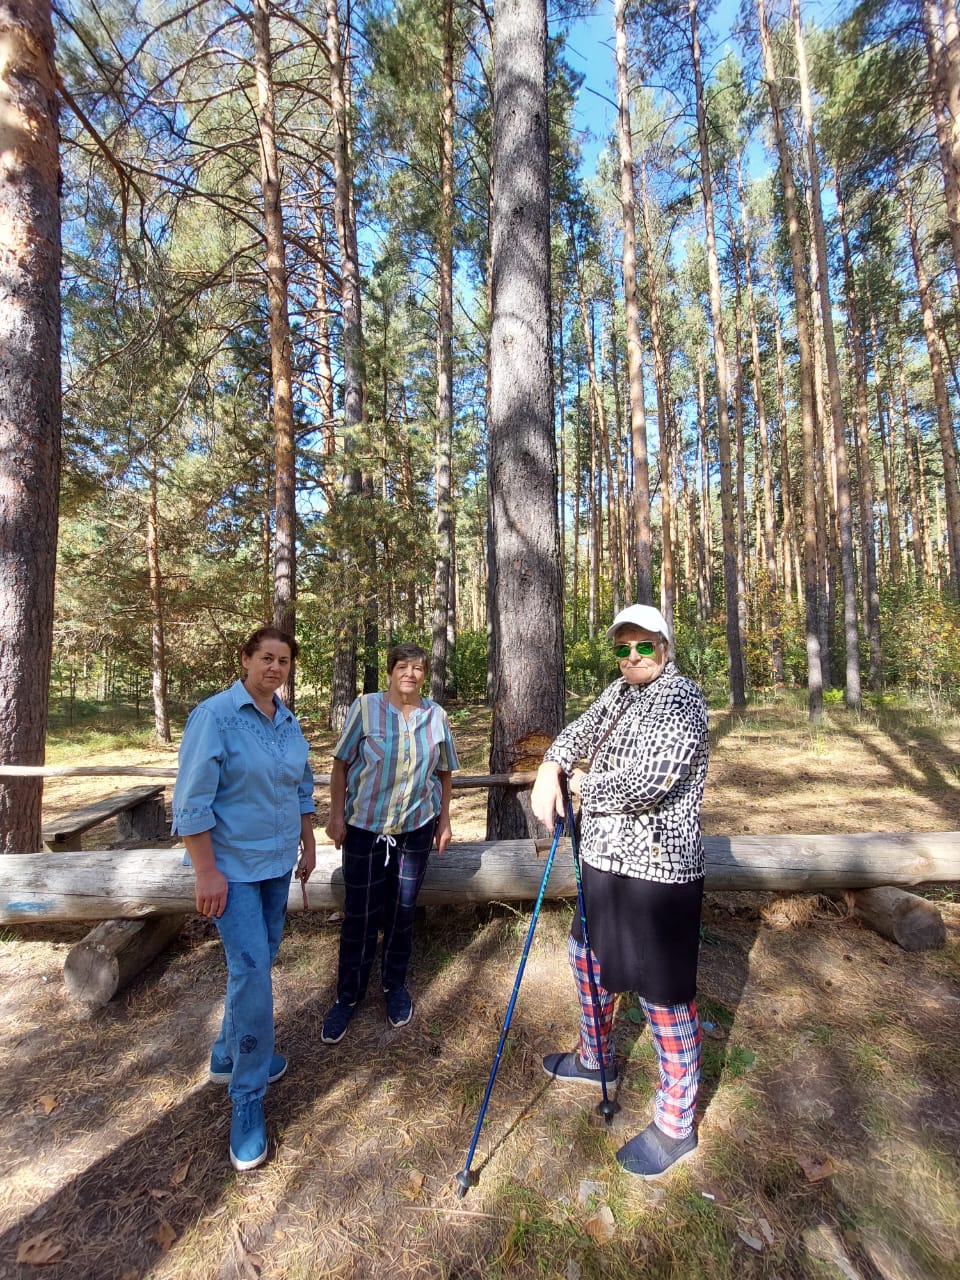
(645, 738)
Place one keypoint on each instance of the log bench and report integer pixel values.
(117, 950)
(139, 811)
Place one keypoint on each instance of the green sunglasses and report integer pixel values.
(644, 648)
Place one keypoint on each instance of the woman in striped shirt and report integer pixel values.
(389, 799)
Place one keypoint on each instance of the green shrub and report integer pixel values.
(469, 665)
(921, 640)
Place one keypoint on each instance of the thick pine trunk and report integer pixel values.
(281, 359)
(525, 571)
(29, 403)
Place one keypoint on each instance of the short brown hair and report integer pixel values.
(407, 652)
(253, 642)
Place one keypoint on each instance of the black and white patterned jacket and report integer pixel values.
(640, 802)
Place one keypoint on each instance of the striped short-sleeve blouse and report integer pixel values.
(392, 763)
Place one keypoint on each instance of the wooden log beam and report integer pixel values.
(113, 953)
(142, 882)
(910, 921)
(461, 781)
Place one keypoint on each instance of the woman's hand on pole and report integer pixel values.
(546, 799)
(308, 848)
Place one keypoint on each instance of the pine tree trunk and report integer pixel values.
(948, 440)
(738, 695)
(30, 412)
(525, 570)
(868, 543)
(943, 79)
(807, 415)
(440, 684)
(158, 652)
(344, 685)
(844, 507)
(643, 538)
(774, 619)
(281, 358)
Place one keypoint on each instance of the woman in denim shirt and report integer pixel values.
(242, 803)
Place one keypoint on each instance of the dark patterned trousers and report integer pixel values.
(381, 879)
(676, 1035)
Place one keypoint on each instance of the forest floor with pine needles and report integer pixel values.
(829, 1113)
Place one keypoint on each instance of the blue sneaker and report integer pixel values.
(399, 1007)
(221, 1069)
(248, 1134)
(651, 1153)
(336, 1022)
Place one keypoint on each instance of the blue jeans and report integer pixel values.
(382, 876)
(250, 930)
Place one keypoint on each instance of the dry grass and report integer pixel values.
(830, 1118)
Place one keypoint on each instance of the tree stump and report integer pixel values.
(113, 953)
(905, 918)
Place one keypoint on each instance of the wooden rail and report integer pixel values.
(461, 781)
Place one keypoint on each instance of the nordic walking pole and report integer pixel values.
(466, 1178)
(608, 1107)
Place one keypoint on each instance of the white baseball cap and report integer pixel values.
(639, 615)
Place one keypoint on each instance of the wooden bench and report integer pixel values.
(140, 815)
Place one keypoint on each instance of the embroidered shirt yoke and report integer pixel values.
(641, 800)
(244, 778)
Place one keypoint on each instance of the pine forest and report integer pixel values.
(280, 354)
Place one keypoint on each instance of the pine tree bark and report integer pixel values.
(643, 537)
(344, 681)
(943, 79)
(440, 683)
(738, 695)
(158, 648)
(281, 358)
(525, 568)
(868, 542)
(773, 610)
(948, 440)
(844, 506)
(807, 415)
(30, 413)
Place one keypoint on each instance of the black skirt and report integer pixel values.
(644, 934)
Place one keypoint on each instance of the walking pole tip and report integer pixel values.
(608, 1108)
(465, 1180)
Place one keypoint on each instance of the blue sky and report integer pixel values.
(590, 46)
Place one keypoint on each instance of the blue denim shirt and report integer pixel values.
(246, 780)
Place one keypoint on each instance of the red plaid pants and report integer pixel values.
(676, 1035)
